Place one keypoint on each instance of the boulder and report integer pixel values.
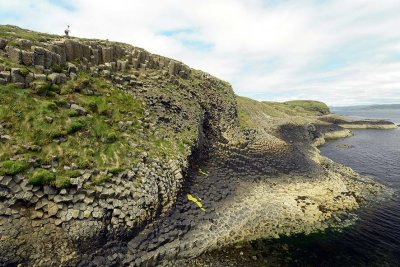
(29, 78)
(107, 53)
(16, 76)
(80, 110)
(74, 213)
(94, 58)
(40, 77)
(6, 75)
(5, 180)
(178, 68)
(59, 49)
(14, 54)
(48, 119)
(87, 214)
(3, 44)
(121, 65)
(24, 44)
(52, 208)
(39, 56)
(36, 214)
(73, 50)
(27, 58)
(105, 73)
(57, 78)
(86, 51)
(48, 190)
(71, 68)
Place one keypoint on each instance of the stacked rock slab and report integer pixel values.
(88, 54)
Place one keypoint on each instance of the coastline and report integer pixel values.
(176, 177)
(369, 126)
(306, 193)
(336, 215)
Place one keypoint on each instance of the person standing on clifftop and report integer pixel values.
(67, 31)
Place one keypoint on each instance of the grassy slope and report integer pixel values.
(43, 130)
(254, 114)
(44, 133)
(310, 105)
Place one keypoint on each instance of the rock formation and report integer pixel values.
(191, 173)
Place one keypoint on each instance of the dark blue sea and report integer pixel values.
(374, 240)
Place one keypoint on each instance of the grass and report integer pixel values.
(44, 129)
(89, 141)
(61, 181)
(10, 167)
(74, 127)
(253, 114)
(41, 177)
(310, 105)
(10, 32)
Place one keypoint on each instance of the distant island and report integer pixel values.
(366, 107)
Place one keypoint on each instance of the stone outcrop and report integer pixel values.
(78, 220)
(97, 56)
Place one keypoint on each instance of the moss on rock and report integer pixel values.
(11, 167)
(41, 177)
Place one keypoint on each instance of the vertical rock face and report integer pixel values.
(3, 44)
(14, 54)
(91, 54)
(80, 218)
(27, 58)
(39, 56)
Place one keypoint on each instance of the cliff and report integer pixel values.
(112, 155)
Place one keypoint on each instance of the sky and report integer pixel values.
(342, 52)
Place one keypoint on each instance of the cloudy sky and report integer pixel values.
(342, 52)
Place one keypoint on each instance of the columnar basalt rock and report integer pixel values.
(3, 44)
(91, 54)
(14, 54)
(143, 215)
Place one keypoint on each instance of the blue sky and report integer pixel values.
(341, 52)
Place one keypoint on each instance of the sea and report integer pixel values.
(374, 239)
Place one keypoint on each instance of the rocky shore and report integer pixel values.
(359, 124)
(111, 156)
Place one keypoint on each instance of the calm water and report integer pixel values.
(374, 240)
(387, 114)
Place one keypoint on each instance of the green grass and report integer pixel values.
(95, 139)
(310, 105)
(74, 127)
(91, 141)
(41, 177)
(10, 167)
(10, 32)
(255, 114)
(61, 181)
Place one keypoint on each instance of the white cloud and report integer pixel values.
(342, 52)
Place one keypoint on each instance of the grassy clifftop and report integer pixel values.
(309, 105)
(255, 114)
(77, 104)
(65, 129)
